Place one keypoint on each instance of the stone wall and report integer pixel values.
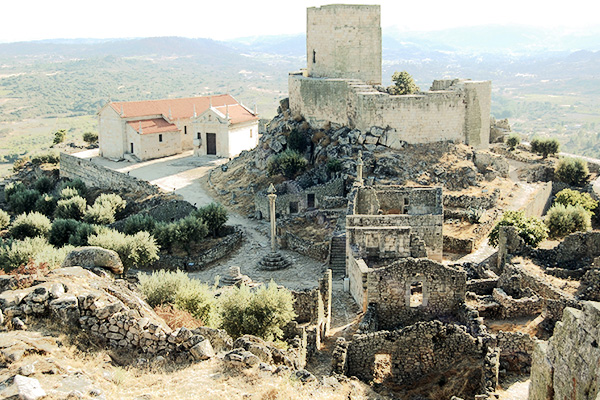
(316, 251)
(484, 201)
(406, 356)
(94, 175)
(520, 307)
(357, 272)
(460, 113)
(516, 349)
(414, 290)
(566, 367)
(539, 201)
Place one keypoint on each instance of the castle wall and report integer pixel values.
(344, 41)
(459, 114)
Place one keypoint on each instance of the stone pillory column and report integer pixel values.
(359, 169)
(272, 197)
(274, 260)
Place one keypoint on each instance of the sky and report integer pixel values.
(227, 19)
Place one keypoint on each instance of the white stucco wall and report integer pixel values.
(242, 137)
(111, 133)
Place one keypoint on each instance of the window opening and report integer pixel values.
(416, 294)
(160, 137)
(314, 57)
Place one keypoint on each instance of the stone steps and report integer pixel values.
(337, 257)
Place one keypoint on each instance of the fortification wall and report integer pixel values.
(95, 175)
(344, 41)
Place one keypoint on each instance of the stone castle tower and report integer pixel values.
(344, 41)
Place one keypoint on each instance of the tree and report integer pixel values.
(213, 215)
(531, 229)
(545, 147)
(403, 84)
(90, 137)
(60, 136)
(569, 197)
(563, 220)
(297, 141)
(572, 171)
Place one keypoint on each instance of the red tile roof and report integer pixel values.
(155, 125)
(184, 108)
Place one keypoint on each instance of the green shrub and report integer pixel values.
(4, 219)
(288, 163)
(23, 200)
(563, 220)
(77, 184)
(166, 287)
(164, 234)
(45, 158)
(572, 171)
(531, 229)
(44, 185)
(189, 229)
(90, 137)
(513, 140)
(214, 216)
(545, 147)
(112, 200)
(14, 253)
(138, 223)
(73, 208)
(83, 232)
(297, 141)
(403, 84)
(569, 197)
(261, 313)
(60, 136)
(46, 204)
(68, 193)
(30, 225)
(138, 249)
(334, 165)
(11, 188)
(99, 213)
(62, 230)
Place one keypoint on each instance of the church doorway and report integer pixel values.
(211, 144)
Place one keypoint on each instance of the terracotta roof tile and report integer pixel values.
(184, 108)
(155, 125)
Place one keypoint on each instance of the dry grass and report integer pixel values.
(175, 318)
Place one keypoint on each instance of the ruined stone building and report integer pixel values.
(211, 125)
(340, 85)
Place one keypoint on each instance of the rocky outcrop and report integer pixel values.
(91, 257)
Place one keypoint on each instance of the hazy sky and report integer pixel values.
(226, 19)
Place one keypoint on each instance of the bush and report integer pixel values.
(99, 213)
(569, 197)
(44, 185)
(545, 147)
(76, 184)
(23, 200)
(12, 188)
(512, 141)
(138, 223)
(531, 229)
(68, 193)
(45, 158)
(572, 171)
(90, 137)
(111, 200)
(164, 234)
(60, 136)
(138, 249)
(261, 313)
(288, 163)
(403, 84)
(176, 288)
(334, 165)
(20, 163)
(214, 216)
(62, 230)
(14, 253)
(46, 204)
(73, 208)
(297, 141)
(189, 229)
(4, 219)
(83, 232)
(33, 224)
(563, 220)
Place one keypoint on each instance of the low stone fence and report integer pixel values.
(95, 175)
(482, 286)
(458, 245)
(197, 262)
(484, 201)
(316, 251)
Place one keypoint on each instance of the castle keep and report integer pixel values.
(341, 85)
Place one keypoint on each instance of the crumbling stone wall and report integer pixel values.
(511, 307)
(390, 289)
(516, 349)
(411, 354)
(317, 251)
(94, 175)
(566, 367)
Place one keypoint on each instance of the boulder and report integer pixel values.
(94, 257)
(202, 350)
(28, 388)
